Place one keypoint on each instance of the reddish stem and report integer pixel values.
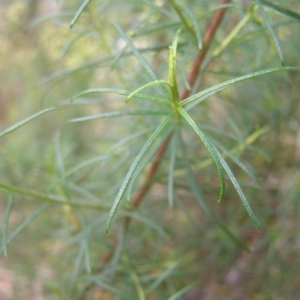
(208, 38)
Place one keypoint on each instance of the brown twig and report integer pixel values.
(207, 40)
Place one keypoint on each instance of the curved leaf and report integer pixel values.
(209, 147)
(23, 122)
(199, 97)
(133, 166)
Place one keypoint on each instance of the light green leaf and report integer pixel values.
(281, 10)
(79, 12)
(173, 149)
(119, 114)
(135, 163)
(209, 147)
(134, 277)
(120, 92)
(23, 122)
(172, 68)
(199, 97)
(238, 162)
(140, 57)
(153, 83)
(192, 181)
(239, 191)
(182, 291)
(271, 31)
(50, 198)
(161, 278)
(23, 225)
(9, 206)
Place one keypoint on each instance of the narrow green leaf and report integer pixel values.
(121, 294)
(23, 122)
(173, 150)
(281, 10)
(182, 291)
(238, 162)
(172, 68)
(87, 163)
(157, 82)
(140, 57)
(141, 167)
(148, 222)
(196, 26)
(120, 92)
(199, 97)
(271, 31)
(161, 278)
(24, 224)
(135, 163)
(50, 198)
(209, 147)
(193, 182)
(134, 277)
(119, 114)
(9, 206)
(239, 191)
(79, 12)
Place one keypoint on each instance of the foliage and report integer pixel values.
(130, 168)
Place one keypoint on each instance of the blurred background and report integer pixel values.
(43, 63)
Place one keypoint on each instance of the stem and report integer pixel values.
(207, 40)
(139, 196)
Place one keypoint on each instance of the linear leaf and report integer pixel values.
(79, 12)
(120, 92)
(239, 191)
(23, 225)
(281, 10)
(161, 278)
(238, 162)
(135, 163)
(148, 222)
(196, 26)
(139, 56)
(182, 291)
(134, 277)
(209, 147)
(157, 82)
(9, 206)
(192, 181)
(50, 198)
(173, 150)
(23, 122)
(172, 68)
(199, 97)
(119, 114)
(271, 30)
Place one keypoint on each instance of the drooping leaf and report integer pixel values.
(119, 114)
(201, 96)
(209, 147)
(150, 84)
(281, 10)
(140, 57)
(239, 191)
(133, 166)
(120, 92)
(23, 122)
(270, 30)
(192, 181)
(83, 5)
(9, 206)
